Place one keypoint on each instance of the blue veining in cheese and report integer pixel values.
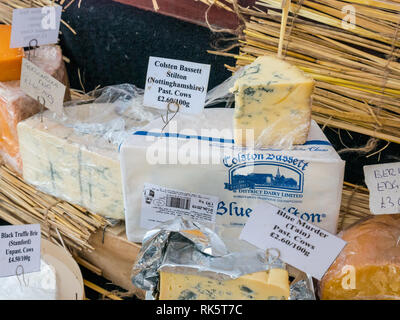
(273, 101)
(80, 168)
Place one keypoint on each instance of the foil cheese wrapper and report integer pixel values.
(188, 247)
(301, 291)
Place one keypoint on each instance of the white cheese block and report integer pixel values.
(80, 166)
(306, 180)
(40, 285)
(272, 104)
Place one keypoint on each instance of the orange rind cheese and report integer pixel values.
(369, 265)
(10, 59)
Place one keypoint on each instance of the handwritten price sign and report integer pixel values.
(383, 181)
(41, 86)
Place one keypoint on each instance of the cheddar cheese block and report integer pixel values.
(10, 59)
(263, 285)
(272, 104)
(16, 106)
(369, 265)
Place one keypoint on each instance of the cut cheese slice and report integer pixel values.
(263, 285)
(10, 59)
(272, 104)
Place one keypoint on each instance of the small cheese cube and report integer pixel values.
(273, 101)
(263, 285)
(10, 59)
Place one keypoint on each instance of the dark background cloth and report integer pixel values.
(114, 42)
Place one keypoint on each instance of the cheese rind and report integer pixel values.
(10, 58)
(263, 285)
(369, 265)
(272, 104)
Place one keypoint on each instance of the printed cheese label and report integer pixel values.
(35, 26)
(172, 83)
(42, 87)
(300, 244)
(19, 249)
(162, 204)
(383, 181)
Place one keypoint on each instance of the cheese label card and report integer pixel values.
(383, 181)
(300, 244)
(19, 249)
(41, 86)
(35, 26)
(162, 204)
(170, 83)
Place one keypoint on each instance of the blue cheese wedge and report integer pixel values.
(272, 104)
(263, 285)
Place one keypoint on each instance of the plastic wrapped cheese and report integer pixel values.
(262, 285)
(75, 157)
(369, 265)
(196, 155)
(272, 104)
(16, 106)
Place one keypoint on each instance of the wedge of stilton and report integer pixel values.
(273, 104)
(263, 285)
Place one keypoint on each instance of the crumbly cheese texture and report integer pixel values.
(10, 58)
(41, 285)
(264, 285)
(369, 265)
(80, 168)
(272, 104)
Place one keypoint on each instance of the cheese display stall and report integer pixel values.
(201, 185)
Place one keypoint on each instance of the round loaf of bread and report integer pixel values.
(369, 266)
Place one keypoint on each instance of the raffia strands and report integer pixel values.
(357, 70)
(21, 203)
(355, 205)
